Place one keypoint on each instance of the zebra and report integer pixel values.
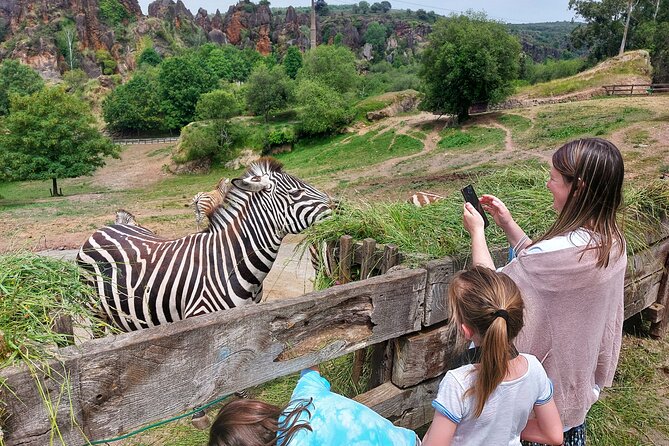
(421, 199)
(143, 280)
(204, 203)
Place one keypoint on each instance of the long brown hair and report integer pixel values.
(490, 303)
(594, 168)
(248, 422)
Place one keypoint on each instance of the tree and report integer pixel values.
(219, 104)
(292, 61)
(376, 36)
(386, 6)
(150, 56)
(468, 59)
(16, 78)
(181, 81)
(135, 106)
(330, 65)
(364, 7)
(229, 63)
(66, 39)
(268, 90)
(322, 8)
(611, 25)
(51, 134)
(323, 110)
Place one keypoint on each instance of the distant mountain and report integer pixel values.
(107, 36)
(543, 41)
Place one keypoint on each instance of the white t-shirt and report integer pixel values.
(505, 413)
(579, 237)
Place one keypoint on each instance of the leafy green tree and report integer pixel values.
(322, 8)
(218, 104)
(16, 78)
(386, 6)
(75, 80)
(229, 63)
(66, 41)
(292, 61)
(181, 81)
(376, 36)
(468, 59)
(51, 134)
(363, 7)
(135, 107)
(605, 23)
(268, 90)
(150, 57)
(323, 109)
(330, 65)
(660, 53)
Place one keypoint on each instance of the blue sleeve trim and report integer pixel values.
(442, 410)
(541, 402)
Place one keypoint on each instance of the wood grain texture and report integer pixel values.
(125, 381)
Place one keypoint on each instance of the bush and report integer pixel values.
(323, 109)
(210, 141)
(278, 137)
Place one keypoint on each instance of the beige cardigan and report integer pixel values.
(573, 322)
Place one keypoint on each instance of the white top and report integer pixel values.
(505, 413)
(579, 237)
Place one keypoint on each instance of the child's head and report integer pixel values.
(593, 170)
(248, 422)
(488, 304)
(245, 422)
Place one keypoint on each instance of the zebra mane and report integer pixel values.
(261, 166)
(264, 165)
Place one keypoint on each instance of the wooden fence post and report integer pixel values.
(345, 258)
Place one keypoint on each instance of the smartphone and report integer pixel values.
(470, 197)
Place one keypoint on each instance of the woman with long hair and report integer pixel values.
(571, 277)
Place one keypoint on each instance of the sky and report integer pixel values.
(510, 11)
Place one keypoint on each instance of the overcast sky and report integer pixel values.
(510, 11)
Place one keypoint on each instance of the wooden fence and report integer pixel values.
(106, 387)
(634, 89)
(128, 141)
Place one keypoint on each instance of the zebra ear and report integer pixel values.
(248, 184)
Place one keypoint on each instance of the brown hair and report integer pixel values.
(248, 422)
(594, 168)
(490, 303)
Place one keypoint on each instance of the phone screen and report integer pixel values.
(470, 196)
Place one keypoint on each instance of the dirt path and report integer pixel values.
(139, 165)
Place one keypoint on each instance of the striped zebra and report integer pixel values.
(144, 280)
(421, 199)
(204, 203)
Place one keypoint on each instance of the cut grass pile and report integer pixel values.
(34, 292)
(436, 231)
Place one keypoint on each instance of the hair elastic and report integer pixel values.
(502, 313)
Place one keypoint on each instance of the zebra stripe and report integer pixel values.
(144, 280)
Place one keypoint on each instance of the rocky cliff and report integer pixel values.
(104, 36)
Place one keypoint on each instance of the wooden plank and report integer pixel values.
(439, 274)
(424, 355)
(410, 408)
(381, 363)
(659, 328)
(126, 381)
(640, 294)
(345, 257)
(367, 264)
(654, 313)
(390, 257)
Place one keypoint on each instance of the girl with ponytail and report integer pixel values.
(490, 402)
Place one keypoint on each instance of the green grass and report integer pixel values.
(562, 123)
(474, 138)
(516, 123)
(629, 413)
(327, 155)
(586, 80)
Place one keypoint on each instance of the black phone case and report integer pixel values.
(471, 197)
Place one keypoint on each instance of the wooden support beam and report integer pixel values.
(345, 258)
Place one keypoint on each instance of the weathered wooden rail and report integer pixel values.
(635, 89)
(128, 141)
(122, 382)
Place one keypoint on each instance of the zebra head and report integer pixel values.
(295, 205)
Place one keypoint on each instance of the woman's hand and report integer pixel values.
(496, 207)
(472, 220)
